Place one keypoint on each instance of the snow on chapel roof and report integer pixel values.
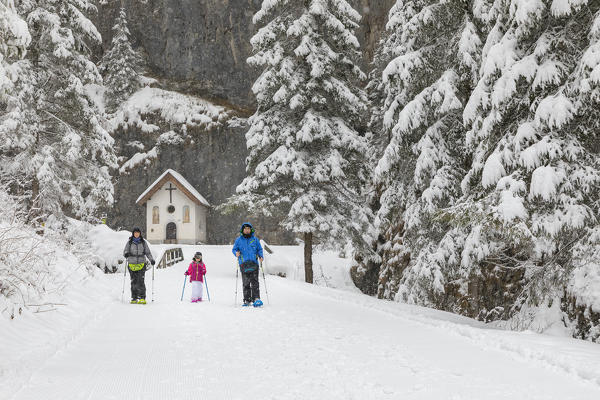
(179, 181)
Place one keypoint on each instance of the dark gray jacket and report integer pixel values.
(138, 252)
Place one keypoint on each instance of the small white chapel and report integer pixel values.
(175, 211)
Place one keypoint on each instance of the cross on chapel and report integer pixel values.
(170, 189)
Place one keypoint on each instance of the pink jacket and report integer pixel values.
(196, 271)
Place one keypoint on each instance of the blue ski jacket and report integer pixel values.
(249, 247)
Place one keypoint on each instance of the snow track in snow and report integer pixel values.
(310, 342)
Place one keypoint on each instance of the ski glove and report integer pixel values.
(152, 262)
(126, 255)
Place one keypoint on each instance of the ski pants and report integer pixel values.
(197, 288)
(250, 282)
(138, 287)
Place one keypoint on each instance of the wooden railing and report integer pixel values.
(170, 257)
(266, 247)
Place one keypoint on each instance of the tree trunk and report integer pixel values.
(34, 206)
(308, 270)
(34, 212)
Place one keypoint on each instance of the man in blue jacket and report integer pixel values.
(247, 249)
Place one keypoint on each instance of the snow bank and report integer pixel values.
(174, 108)
(151, 106)
(49, 324)
(329, 269)
(139, 158)
(107, 247)
(64, 289)
(49, 290)
(554, 350)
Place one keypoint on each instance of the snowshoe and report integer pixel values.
(142, 301)
(257, 303)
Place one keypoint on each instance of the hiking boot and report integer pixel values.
(133, 301)
(246, 304)
(257, 303)
(142, 301)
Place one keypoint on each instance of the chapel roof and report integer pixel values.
(180, 182)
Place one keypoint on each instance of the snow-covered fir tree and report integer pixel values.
(14, 39)
(51, 137)
(531, 193)
(583, 285)
(427, 63)
(307, 149)
(120, 66)
(366, 263)
(490, 181)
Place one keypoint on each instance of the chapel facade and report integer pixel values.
(175, 211)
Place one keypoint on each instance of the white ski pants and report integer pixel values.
(197, 288)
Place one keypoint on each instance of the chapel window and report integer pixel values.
(155, 215)
(186, 214)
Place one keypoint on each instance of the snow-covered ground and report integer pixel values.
(329, 269)
(307, 342)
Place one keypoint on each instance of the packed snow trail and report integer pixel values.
(308, 343)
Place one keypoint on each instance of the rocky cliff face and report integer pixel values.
(200, 47)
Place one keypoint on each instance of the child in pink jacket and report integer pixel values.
(196, 271)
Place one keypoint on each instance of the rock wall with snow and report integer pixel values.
(200, 47)
(158, 129)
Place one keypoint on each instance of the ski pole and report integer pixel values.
(206, 285)
(237, 271)
(183, 290)
(153, 283)
(265, 281)
(124, 275)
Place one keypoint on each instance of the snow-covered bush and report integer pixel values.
(36, 267)
(106, 247)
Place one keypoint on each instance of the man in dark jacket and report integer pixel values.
(136, 251)
(247, 249)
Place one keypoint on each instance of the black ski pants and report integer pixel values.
(250, 283)
(138, 287)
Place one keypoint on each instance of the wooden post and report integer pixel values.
(308, 270)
